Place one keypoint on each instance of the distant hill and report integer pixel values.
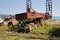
(2, 15)
(56, 17)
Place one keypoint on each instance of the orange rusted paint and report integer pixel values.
(29, 15)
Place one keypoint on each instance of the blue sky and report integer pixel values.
(18, 6)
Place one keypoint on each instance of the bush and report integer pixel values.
(55, 32)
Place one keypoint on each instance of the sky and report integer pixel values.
(12, 7)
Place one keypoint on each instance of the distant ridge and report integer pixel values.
(2, 15)
(56, 17)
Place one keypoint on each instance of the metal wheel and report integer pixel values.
(10, 25)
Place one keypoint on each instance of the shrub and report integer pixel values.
(55, 32)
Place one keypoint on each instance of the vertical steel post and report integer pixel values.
(28, 5)
(49, 7)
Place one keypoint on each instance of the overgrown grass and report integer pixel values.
(36, 33)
